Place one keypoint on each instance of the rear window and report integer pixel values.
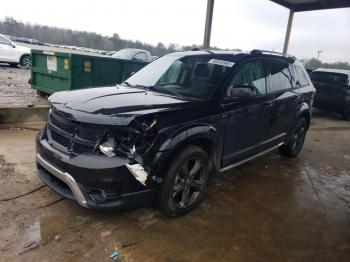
(327, 77)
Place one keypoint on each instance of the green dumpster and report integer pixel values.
(58, 71)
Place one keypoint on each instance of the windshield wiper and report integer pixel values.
(169, 91)
(140, 86)
(127, 83)
(143, 87)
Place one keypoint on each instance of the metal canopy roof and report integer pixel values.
(309, 5)
(293, 5)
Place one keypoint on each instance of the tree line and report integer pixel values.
(55, 35)
(61, 36)
(314, 63)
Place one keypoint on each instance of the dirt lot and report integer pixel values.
(14, 87)
(271, 209)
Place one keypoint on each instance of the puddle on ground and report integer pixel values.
(32, 238)
(47, 229)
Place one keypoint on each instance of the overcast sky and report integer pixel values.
(245, 24)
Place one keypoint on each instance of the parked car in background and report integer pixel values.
(13, 54)
(25, 40)
(332, 90)
(133, 54)
(159, 134)
(154, 57)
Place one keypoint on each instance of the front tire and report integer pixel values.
(25, 61)
(185, 181)
(295, 144)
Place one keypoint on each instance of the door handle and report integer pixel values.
(268, 105)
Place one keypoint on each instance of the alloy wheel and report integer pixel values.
(298, 138)
(189, 183)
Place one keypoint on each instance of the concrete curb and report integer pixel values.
(10, 115)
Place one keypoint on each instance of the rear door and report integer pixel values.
(246, 121)
(280, 88)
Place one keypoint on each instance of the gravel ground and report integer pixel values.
(14, 88)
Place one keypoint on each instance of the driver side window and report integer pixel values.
(4, 41)
(251, 74)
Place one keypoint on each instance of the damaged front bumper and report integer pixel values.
(94, 181)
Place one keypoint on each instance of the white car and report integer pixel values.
(133, 54)
(13, 54)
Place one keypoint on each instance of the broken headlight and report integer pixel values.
(107, 148)
(129, 141)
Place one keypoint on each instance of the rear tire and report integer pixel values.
(185, 181)
(41, 93)
(295, 144)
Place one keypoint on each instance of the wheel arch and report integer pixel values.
(305, 112)
(203, 136)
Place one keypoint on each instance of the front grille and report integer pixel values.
(64, 141)
(89, 133)
(62, 123)
(81, 149)
(73, 136)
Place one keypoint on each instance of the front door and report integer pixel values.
(6, 49)
(246, 121)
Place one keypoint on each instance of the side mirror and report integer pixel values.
(240, 92)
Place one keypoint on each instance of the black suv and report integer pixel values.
(159, 135)
(332, 90)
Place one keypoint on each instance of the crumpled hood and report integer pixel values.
(114, 100)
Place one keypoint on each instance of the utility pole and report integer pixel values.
(289, 29)
(208, 22)
(318, 54)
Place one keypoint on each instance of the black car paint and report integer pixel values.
(234, 130)
(333, 96)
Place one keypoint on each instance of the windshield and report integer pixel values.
(190, 76)
(327, 77)
(124, 54)
(4, 40)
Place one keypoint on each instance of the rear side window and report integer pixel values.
(279, 75)
(300, 78)
(253, 74)
(140, 56)
(330, 78)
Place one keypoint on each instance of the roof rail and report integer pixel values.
(258, 51)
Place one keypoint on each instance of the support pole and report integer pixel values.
(289, 29)
(208, 22)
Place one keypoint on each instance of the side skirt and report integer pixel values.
(250, 158)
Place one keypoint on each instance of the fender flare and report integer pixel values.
(190, 132)
(304, 109)
(183, 135)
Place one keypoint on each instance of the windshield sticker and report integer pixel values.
(221, 62)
